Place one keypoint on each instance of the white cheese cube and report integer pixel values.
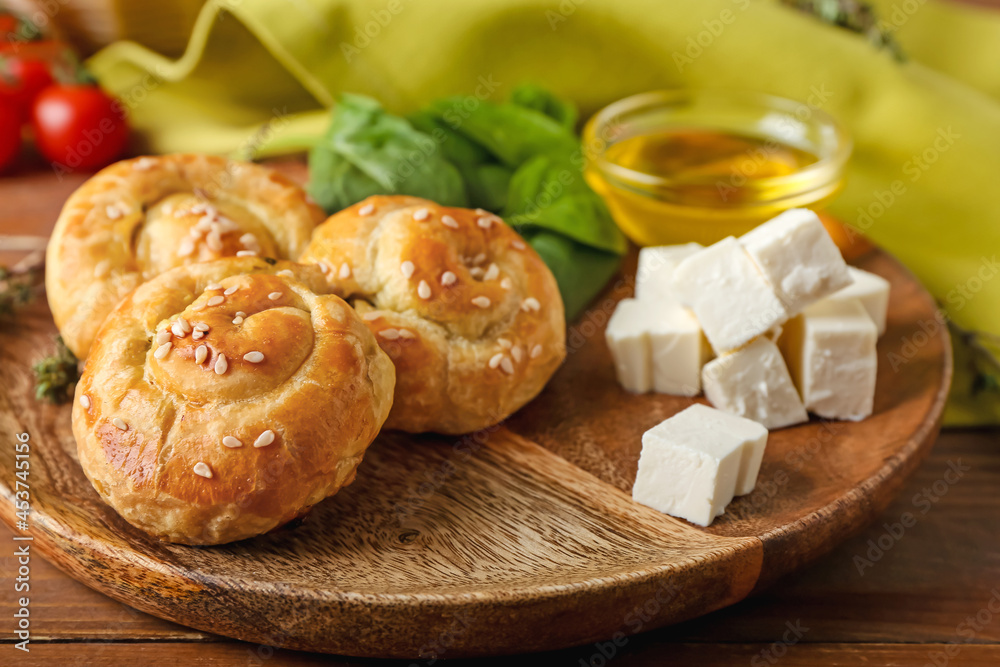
(692, 464)
(753, 382)
(830, 351)
(654, 275)
(678, 350)
(797, 256)
(731, 299)
(627, 336)
(873, 293)
(657, 346)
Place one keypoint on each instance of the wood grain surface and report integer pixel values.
(493, 541)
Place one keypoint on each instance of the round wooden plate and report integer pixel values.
(521, 538)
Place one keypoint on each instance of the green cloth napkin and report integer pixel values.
(258, 74)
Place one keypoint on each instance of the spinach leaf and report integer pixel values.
(367, 151)
(580, 271)
(533, 96)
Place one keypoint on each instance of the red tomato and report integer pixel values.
(22, 80)
(79, 127)
(10, 134)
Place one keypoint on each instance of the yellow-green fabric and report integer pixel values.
(922, 181)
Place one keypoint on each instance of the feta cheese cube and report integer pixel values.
(627, 337)
(692, 464)
(753, 382)
(657, 346)
(830, 351)
(654, 275)
(873, 293)
(797, 256)
(731, 299)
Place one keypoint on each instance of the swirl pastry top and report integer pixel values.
(470, 315)
(139, 218)
(223, 399)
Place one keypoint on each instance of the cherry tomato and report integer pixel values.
(22, 80)
(79, 127)
(10, 134)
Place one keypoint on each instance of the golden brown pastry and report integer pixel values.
(139, 218)
(470, 315)
(223, 399)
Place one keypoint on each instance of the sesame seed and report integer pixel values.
(504, 343)
(482, 211)
(248, 239)
(372, 315)
(162, 336)
(448, 278)
(531, 303)
(231, 442)
(143, 164)
(240, 313)
(214, 241)
(201, 468)
(323, 266)
(536, 351)
(184, 324)
(178, 330)
(389, 334)
(477, 272)
(516, 353)
(274, 296)
(506, 283)
(264, 439)
(519, 244)
(212, 286)
(485, 222)
(345, 271)
(492, 272)
(216, 300)
(102, 269)
(120, 424)
(201, 326)
(238, 319)
(113, 212)
(186, 248)
(286, 272)
(424, 290)
(198, 308)
(406, 333)
(507, 366)
(246, 253)
(496, 359)
(479, 259)
(198, 335)
(203, 225)
(482, 301)
(254, 357)
(200, 354)
(163, 350)
(421, 214)
(85, 401)
(221, 365)
(367, 209)
(407, 268)
(449, 221)
(231, 290)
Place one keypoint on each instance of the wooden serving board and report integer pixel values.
(520, 538)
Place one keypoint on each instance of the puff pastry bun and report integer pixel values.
(223, 399)
(139, 218)
(469, 314)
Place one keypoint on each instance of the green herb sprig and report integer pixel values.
(854, 15)
(56, 375)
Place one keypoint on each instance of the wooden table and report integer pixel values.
(927, 594)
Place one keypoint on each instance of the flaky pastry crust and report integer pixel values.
(223, 399)
(141, 217)
(468, 312)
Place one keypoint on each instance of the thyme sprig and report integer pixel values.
(856, 16)
(56, 375)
